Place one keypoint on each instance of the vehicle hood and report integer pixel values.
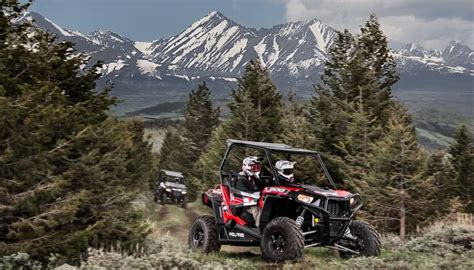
(327, 192)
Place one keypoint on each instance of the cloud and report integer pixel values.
(432, 23)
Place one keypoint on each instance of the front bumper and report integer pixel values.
(327, 222)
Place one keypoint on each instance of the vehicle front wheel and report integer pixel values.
(203, 235)
(282, 240)
(366, 240)
(163, 198)
(183, 203)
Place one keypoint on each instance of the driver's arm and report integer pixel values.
(244, 184)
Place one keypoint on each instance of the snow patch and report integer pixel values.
(143, 46)
(77, 33)
(147, 68)
(185, 77)
(223, 78)
(273, 57)
(61, 30)
(114, 66)
(260, 49)
(317, 28)
(238, 47)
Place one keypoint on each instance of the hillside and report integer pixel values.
(442, 246)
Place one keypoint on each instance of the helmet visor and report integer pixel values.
(256, 168)
(288, 171)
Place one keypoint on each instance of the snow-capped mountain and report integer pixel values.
(216, 49)
(218, 45)
(455, 58)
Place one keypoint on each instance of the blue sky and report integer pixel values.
(432, 23)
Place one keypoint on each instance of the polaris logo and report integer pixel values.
(236, 234)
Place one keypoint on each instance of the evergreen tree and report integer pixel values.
(355, 144)
(462, 152)
(395, 192)
(442, 175)
(374, 50)
(353, 98)
(206, 169)
(296, 132)
(255, 106)
(67, 172)
(199, 122)
(172, 152)
(296, 129)
(256, 112)
(183, 147)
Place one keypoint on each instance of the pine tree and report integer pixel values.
(296, 129)
(355, 144)
(395, 192)
(462, 152)
(354, 96)
(183, 147)
(199, 122)
(442, 175)
(172, 152)
(374, 50)
(255, 106)
(256, 112)
(68, 172)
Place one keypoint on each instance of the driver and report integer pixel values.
(249, 181)
(249, 178)
(285, 170)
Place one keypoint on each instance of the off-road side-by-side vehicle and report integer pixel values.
(294, 215)
(170, 188)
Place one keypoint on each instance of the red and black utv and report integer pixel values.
(293, 215)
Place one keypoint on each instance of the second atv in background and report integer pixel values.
(170, 188)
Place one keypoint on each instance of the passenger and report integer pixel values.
(285, 171)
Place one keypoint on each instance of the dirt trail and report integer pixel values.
(175, 220)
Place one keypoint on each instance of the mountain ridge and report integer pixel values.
(216, 49)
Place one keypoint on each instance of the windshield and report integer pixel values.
(175, 180)
(304, 169)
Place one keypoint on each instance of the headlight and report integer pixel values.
(304, 198)
(352, 201)
(183, 192)
(169, 190)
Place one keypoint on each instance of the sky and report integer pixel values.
(432, 23)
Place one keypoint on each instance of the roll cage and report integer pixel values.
(270, 148)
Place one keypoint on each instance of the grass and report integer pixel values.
(443, 246)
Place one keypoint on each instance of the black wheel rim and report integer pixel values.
(358, 245)
(277, 242)
(198, 237)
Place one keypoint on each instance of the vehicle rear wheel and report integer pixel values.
(203, 235)
(282, 240)
(366, 242)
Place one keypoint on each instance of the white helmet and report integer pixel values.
(285, 169)
(251, 167)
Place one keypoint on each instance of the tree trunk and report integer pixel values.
(402, 221)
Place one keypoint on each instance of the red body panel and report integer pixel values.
(229, 200)
(227, 213)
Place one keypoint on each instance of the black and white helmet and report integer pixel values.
(285, 170)
(251, 167)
